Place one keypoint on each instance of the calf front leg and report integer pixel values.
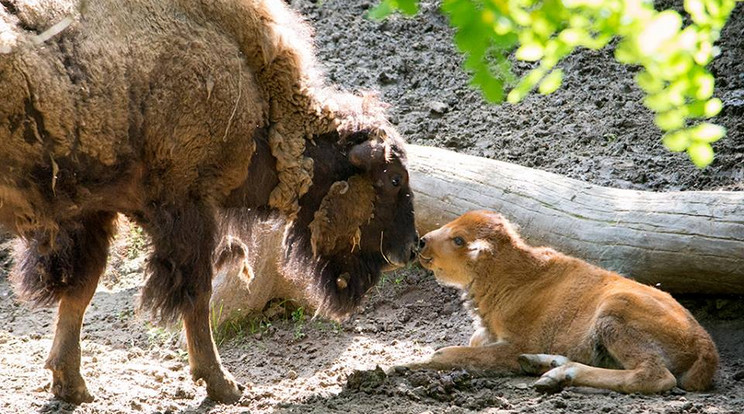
(499, 357)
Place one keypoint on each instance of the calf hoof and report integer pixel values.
(538, 364)
(554, 380)
(226, 391)
(548, 385)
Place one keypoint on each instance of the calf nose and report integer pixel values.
(422, 243)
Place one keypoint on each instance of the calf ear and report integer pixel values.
(367, 154)
(478, 247)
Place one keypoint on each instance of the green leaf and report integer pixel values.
(670, 120)
(662, 28)
(408, 7)
(658, 102)
(649, 83)
(551, 82)
(388, 7)
(491, 87)
(696, 9)
(701, 154)
(704, 83)
(382, 10)
(530, 52)
(707, 132)
(713, 107)
(677, 141)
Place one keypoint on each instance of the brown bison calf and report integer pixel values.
(187, 116)
(557, 316)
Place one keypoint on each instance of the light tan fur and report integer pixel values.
(546, 313)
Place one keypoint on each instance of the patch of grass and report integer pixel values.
(125, 314)
(299, 318)
(137, 242)
(158, 337)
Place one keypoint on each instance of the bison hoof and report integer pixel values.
(69, 386)
(72, 394)
(227, 391)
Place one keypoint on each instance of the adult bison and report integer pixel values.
(183, 115)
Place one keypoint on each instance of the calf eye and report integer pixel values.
(459, 242)
(395, 181)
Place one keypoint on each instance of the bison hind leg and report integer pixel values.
(66, 271)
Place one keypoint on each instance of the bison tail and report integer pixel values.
(49, 264)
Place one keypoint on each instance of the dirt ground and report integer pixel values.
(594, 129)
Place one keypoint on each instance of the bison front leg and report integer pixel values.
(203, 357)
(180, 284)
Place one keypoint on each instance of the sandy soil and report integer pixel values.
(593, 129)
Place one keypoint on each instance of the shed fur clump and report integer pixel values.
(347, 206)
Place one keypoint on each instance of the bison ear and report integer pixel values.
(367, 154)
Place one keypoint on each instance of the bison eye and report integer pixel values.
(395, 181)
(459, 242)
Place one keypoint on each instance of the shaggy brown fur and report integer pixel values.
(555, 315)
(347, 206)
(174, 112)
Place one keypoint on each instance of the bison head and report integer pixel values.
(357, 218)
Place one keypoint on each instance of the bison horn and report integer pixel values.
(367, 154)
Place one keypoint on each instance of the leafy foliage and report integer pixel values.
(672, 51)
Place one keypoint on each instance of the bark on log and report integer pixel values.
(682, 242)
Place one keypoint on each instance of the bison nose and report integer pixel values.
(414, 248)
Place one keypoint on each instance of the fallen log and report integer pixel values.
(681, 242)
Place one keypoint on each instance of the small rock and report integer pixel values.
(292, 374)
(366, 380)
(44, 387)
(387, 78)
(677, 391)
(136, 405)
(438, 108)
(183, 394)
(522, 386)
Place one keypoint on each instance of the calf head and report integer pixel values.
(356, 219)
(455, 251)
